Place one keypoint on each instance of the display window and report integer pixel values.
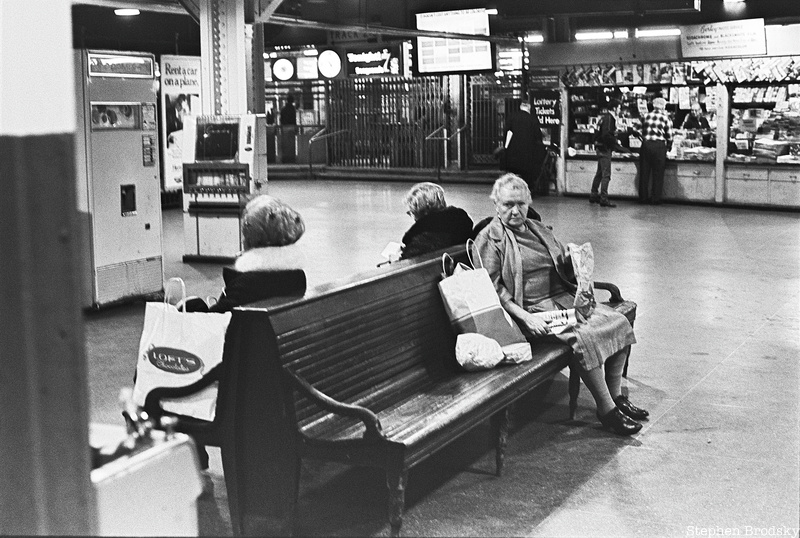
(693, 110)
(765, 124)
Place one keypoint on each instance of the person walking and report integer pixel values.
(656, 139)
(525, 150)
(605, 143)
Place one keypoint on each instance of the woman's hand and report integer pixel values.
(535, 325)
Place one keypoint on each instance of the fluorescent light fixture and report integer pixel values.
(658, 32)
(491, 11)
(588, 36)
(534, 37)
(126, 12)
(620, 34)
(733, 1)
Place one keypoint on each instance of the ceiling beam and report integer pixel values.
(265, 10)
(283, 20)
(159, 6)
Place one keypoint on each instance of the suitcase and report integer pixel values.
(149, 489)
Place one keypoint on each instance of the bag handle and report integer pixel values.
(470, 248)
(167, 289)
(448, 265)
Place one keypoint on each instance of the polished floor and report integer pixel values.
(716, 364)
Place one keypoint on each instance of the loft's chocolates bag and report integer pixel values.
(176, 349)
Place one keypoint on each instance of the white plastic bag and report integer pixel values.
(477, 352)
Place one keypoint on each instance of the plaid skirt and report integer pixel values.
(605, 333)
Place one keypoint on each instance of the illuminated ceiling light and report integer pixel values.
(491, 11)
(126, 12)
(588, 36)
(658, 32)
(620, 34)
(533, 37)
(733, 1)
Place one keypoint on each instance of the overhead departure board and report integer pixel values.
(442, 55)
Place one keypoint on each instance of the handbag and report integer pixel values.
(178, 348)
(472, 303)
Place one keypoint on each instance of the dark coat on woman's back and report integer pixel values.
(445, 228)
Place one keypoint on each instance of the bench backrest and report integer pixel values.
(370, 340)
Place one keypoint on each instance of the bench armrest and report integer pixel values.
(152, 402)
(370, 420)
(616, 297)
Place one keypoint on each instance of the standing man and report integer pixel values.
(605, 143)
(525, 149)
(288, 119)
(656, 139)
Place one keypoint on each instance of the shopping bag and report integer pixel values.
(472, 304)
(176, 349)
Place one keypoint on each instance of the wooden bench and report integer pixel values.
(361, 372)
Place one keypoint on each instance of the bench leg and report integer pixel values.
(574, 389)
(625, 369)
(396, 481)
(502, 425)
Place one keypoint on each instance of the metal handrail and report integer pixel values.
(458, 132)
(431, 137)
(446, 139)
(319, 136)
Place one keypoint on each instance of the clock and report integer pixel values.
(282, 69)
(329, 63)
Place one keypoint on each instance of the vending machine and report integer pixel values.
(224, 165)
(117, 171)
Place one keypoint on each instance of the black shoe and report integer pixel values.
(594, 199)
(605, 202)
(625, 405)
(618, 422)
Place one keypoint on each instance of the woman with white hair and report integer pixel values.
(532, 272)
(436, 225)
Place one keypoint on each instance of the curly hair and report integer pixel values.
(424, 198)
(268, 222)
(512, 181)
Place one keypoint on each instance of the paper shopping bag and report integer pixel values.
(176, 349)
(473, 306)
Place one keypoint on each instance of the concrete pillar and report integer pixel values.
(45, 485)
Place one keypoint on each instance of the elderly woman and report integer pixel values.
(270, 265)
(436, 225)
(532, 273)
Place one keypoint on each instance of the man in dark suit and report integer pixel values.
(525, 151)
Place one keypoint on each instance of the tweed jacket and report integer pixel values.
(500, 255)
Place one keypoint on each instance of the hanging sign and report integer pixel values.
(180, 97)
(547, 104)
(544, 78)
(731, 38)
(373, 62)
